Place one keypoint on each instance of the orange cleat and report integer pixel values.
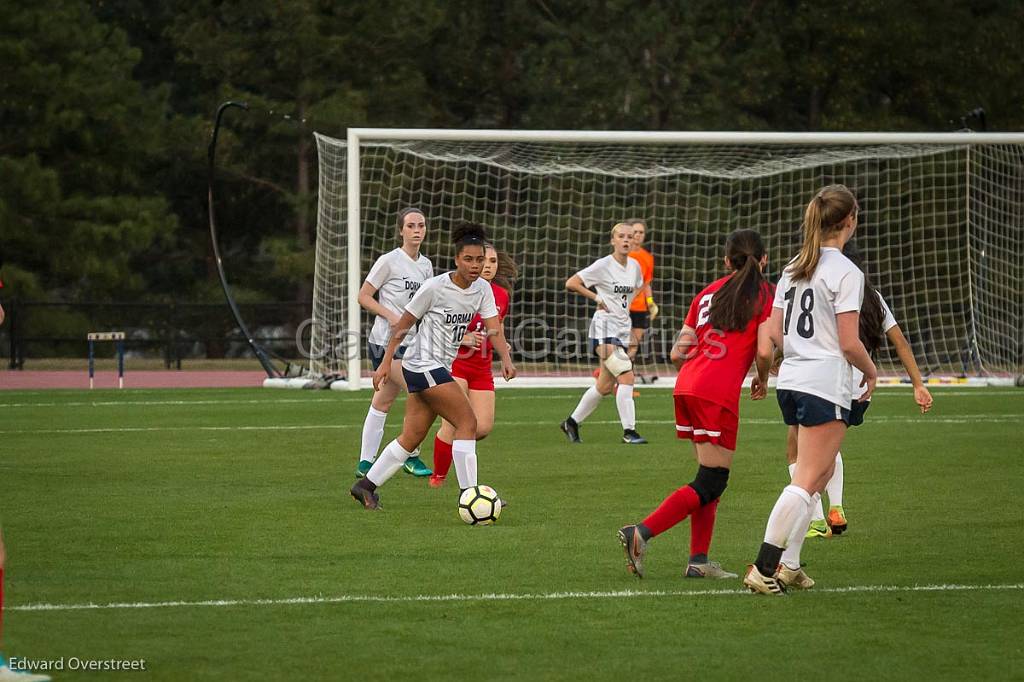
(837, 520)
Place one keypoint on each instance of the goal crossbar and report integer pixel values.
(680, 137)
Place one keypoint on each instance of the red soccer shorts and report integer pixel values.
(479, 378)
(705, 422)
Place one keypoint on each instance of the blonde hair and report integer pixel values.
(823, 216)
(627, 226)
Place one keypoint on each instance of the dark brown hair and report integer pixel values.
(468, 234)
(739, 299)
(871, 314)
(402, 216)
(823, 216)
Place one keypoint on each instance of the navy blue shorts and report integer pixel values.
(857, 410)
(804, 409)
(421, 381)
(609, 341)
(376, 354)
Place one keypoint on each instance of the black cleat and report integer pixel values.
(364, 496)
(631, 437)
(571, 430)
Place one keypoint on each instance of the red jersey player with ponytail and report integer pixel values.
(725, 329)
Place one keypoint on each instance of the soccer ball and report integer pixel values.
(479, 505)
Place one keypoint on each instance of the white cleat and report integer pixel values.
(794, 578)
(711, 569)
(760, 584)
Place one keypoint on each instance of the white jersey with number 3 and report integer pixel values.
(617, 286)
(445, 311)
(814, 363)
(857, 376)
(397, 278)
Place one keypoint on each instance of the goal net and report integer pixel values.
(941, 228)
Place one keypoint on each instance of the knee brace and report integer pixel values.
(618, 362)
(710, 483)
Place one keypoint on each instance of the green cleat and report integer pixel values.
(415, 466)
(819, 529)
(363, 468)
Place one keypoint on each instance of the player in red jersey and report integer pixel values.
(472, 366)
(724, 331)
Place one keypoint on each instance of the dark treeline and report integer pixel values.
(106, 106)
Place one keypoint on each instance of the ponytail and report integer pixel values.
(823, 216)
(743, 295)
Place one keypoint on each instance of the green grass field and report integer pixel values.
(190, 519)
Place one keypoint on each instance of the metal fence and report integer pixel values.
(171, 331)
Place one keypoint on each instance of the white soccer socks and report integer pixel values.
(588, 403)
(388, 464)
(624, 403)
(795, 543)
(793, 505)
(373, 433)
(834, 488)
(464, 457)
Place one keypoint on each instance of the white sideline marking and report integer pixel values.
(543, 596)
(546, 394)
(136, 403)
(963, 419)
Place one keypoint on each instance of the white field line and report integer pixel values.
(962, 419)
(542, 596)
(545, 394)
(274, 401)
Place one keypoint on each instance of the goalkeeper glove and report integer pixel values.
(652, 308)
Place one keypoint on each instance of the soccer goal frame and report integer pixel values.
(1008, 207)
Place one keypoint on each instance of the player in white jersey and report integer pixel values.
(815, 320)
(615, 279)
(443, 308)
(394, 278)
(877, 323)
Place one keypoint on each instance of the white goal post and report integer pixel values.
(942, 227)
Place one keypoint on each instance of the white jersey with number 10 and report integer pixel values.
(814, 363)
(444, 311)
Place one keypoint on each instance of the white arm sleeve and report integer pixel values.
(780, 294)
(380, 272)
(592, 274)
(888, 319)
(849, 291)
(488, 308)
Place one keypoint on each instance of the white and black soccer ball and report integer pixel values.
(479, 505)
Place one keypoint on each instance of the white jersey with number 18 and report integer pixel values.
(444, 311)
(814, 363)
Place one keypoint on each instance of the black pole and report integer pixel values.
(261, 355)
